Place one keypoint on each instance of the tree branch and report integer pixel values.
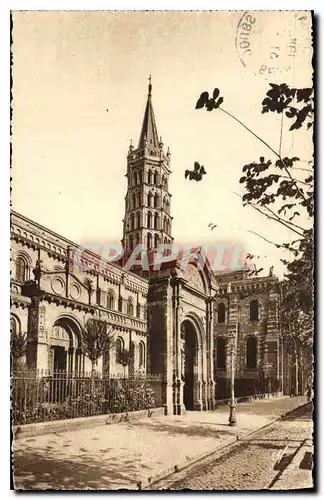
(267, 145)
(277, 220)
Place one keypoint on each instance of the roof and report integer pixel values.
(149, 130)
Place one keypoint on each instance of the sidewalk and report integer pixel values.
(119, 456)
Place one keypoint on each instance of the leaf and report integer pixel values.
(196, 166)
(215, 94)
(187, 172)
(291, 112)
(218, 103)
(204, 96)
(210, 105)
(242, 179)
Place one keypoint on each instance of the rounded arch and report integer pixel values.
(141, 352)
(130, 306)
(133, 203)
(254, 310)
(156, 200)
(15, 324)
(23, 264)
(119, 348)
(72, 326)
(149, 220)
(111, 300)
(155, 177)
(156, 221)
(149, 177)
(156, 241)
(191, 341)
(149, 240)
(149, 199)
(193, 319)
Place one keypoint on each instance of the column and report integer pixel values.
(210, 353)
(178, 383)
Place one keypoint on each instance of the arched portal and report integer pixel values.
(189, 364)
(65, 346)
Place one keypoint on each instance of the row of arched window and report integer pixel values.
(152, 200)
(254, 311)
(150, 178)
(152, 221)
(131, 310)
(151, 241)
(251, 353)
(120, 346)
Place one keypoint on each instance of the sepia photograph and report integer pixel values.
(162, 250)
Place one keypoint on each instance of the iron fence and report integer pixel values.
(42, 396)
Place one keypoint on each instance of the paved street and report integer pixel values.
(116, 456)
(259, 462)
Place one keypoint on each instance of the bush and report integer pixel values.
(44, 399)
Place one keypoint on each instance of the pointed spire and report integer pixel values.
(149, 133)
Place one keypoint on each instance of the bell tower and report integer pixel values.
(147, 203)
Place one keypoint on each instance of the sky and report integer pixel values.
(79, 93)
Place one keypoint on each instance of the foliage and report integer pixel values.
(197, 173)
(97, 339)
(124, 357)
(18, 346)
(281, 190)
(296, 103)
(34, 400)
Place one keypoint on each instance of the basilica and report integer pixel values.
(186, 325)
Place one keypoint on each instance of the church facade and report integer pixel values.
(185, 324)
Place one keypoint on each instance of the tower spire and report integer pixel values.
(149, 132)
(150, 86)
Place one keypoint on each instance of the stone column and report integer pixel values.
(271, 344)
(178, 383)
(232, 330)
(160, 330)
(210, 353)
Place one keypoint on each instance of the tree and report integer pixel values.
(97, 338)
(281, 190)
(125, 358)
(18, 346)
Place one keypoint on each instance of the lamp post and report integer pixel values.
(232, 337)
(232, 405)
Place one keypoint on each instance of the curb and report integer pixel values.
(144, 484)
(41, 428)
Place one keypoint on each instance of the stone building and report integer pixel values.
(185, 324)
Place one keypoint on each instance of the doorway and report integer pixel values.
(59, 359)
(190, 361)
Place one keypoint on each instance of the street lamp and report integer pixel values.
(232, 337)
(232, 405)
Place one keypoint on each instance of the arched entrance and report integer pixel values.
(65, 352)
(189, 363)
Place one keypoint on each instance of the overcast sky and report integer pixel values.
(69, 152)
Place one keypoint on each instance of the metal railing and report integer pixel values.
(42, 396)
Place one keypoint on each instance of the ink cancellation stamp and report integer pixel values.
(272, 44)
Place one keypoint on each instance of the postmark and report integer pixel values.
(274, 45)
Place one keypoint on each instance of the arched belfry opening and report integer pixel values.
(189, 363)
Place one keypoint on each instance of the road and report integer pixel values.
(277, 457)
